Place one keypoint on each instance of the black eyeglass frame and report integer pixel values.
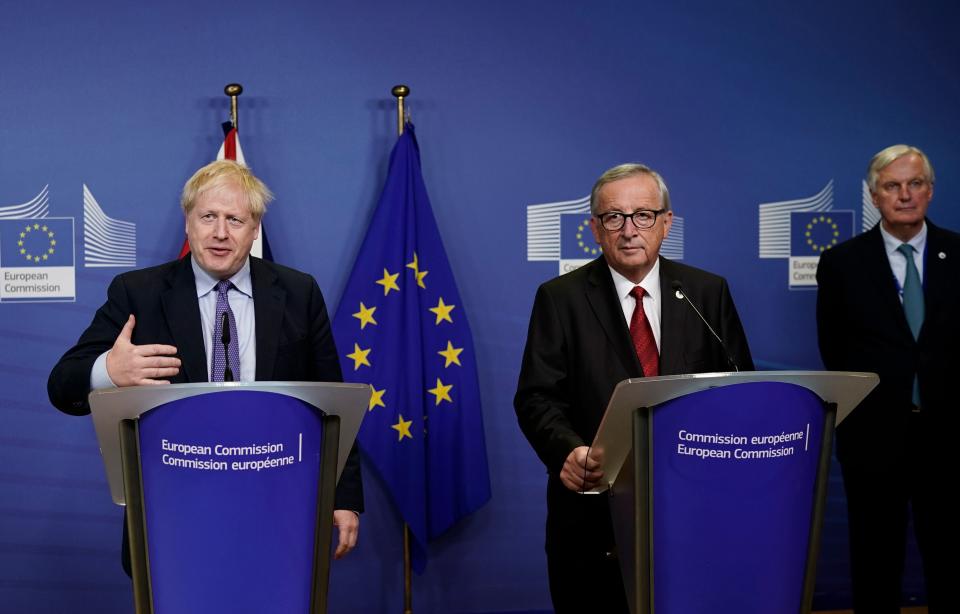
(622, 217)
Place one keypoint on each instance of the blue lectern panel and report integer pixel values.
(230, 498)
(734, 470)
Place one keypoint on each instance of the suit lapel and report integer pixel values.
(269, 300)
(672, 317)
(182, 313)
(602, 298)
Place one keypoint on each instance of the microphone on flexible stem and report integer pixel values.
(225, 338)
(680, 294)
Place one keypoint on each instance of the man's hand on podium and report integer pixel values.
(581, 471)
(136, 365)
(348, 522)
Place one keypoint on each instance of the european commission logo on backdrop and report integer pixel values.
(37, 250)
(560, 232)
(801, 230)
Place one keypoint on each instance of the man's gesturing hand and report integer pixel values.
(581, 471)
(136, 365)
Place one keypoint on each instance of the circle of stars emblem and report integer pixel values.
(832, 238)
(46, 250)
(592, 250)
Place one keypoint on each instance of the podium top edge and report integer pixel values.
(217, 386)
(753, 375)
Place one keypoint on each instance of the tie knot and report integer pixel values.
(637, 293)
(906, 249)
(223, 286)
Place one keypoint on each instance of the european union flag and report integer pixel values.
(402, 328)
(36, 243)
(814, 232)
(576, 238)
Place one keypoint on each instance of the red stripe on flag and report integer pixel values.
(230, 145)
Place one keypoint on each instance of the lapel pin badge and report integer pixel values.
(942, 256)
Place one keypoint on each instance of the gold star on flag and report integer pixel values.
(442, 311)
(45, 228)
(452, 355)
(403, 428)
(365, 315)
(36, 226)
(415, 265)
(20, 242)
(420, 276)
(359, 356)
(389, 282)
(50, 234)
(442, 392)
(376, 399)
(23, 234)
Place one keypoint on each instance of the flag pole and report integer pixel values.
(233, 90)
(401, 92)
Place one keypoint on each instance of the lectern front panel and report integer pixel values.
(733, 477)
(230, 502)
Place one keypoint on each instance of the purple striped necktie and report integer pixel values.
(233, 348)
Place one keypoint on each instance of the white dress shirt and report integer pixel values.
(240, 298)
(898, 263)
(651, 297)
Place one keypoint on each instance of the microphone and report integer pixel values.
(680, 294)
(225, 339)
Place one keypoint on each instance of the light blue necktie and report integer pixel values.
(912, 303)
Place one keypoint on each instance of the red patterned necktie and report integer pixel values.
(642, 336)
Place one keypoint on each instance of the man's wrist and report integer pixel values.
(99, 377)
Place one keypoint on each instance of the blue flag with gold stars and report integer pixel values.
(402, 328)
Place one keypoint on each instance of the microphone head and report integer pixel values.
(677, 289)
(225, 328)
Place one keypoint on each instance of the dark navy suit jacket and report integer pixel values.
(579, 348)
(293, 336)
(862, 327)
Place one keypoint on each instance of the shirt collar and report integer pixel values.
(206, 282)
(650, 283)
(891, 243)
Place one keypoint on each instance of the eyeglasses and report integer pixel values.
(643, 219)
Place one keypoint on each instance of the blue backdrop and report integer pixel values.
(113, 104)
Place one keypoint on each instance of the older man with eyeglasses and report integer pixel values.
(617, 317)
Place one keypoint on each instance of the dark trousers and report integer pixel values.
(883, 489)
(581, 561)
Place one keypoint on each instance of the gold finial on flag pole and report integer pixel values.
(233, 90)
(401, 92)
